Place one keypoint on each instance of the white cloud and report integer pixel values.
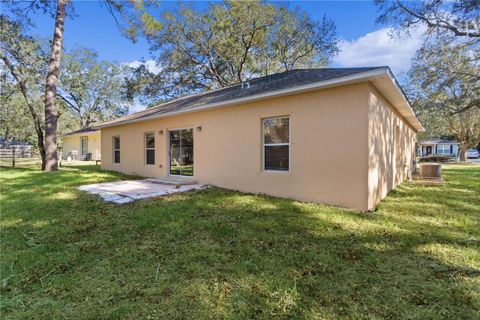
(150, 64)
(379, 48)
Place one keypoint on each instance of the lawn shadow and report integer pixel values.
(221, 254)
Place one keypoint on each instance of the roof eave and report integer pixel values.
(355, 78)
(80, 133)
(391, 90)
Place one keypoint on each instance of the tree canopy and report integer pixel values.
(59, 10)
(460, 18)
(446, 80)
(230, 42)
(89, 90)
(93, 90)
(24, 64)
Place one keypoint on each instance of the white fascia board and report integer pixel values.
(298, 89)
(409, 113)
(358, 77)
(81, 134)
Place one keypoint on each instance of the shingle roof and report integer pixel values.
(274, 82)
(83, 130)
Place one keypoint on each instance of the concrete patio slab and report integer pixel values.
(122, 192)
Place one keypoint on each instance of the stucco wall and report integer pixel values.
(328, 150)
(390, 159)
(72, 143)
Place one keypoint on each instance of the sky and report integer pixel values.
(363, 41)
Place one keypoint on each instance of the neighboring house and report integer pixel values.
(344, 137)
(438, 147)
(83, 144)
(11, 143)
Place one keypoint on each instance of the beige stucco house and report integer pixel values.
(83, 144)
(343, 137)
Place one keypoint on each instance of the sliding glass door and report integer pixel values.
(181, 152)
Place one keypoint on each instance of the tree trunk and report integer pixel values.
(33, 112)
(41, 146)
(6, 138)
(51, 111)
(463, 150)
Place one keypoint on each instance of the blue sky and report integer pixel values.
(363, 42)
(93, 27)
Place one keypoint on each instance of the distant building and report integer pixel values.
(12, 143)
(83, 144)
(442, 147)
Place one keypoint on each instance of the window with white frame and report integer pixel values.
(443, 149)
(150, 148)
(116, 149)
(276, 144)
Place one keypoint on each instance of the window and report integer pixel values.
(83, 145)
(116, 149)
(443, 149)
(150, 148)
(276, 144)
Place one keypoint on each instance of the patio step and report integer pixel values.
(182, 181)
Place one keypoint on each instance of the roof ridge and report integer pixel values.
(254, 79)
(286, 81)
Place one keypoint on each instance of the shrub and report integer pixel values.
(435, 158)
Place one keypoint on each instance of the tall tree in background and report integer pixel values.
(92, 90)
(51, 110)
(445, 71)
(459, 18)
(16, 123)
(132, 13)
(229, 43)
(25, 63)
(446, 76)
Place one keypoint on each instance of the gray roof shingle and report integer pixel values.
(274, 82)
(83, 130)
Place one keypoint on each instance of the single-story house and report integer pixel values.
(340, 136)
(442, 147)
(83, 144)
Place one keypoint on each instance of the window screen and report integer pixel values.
(276, 144)
(116, 149)
(150, 148)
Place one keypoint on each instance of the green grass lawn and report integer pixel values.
(21, 162)
(221, 254)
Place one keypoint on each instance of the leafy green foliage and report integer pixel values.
(24, 77)
(92, 90)
(221, 254)
(133, 17)
(446, 79)
(15, 120)
(27, 55)
(229, 43)
(23, 61)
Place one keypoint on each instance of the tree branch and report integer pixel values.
(445, 25)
